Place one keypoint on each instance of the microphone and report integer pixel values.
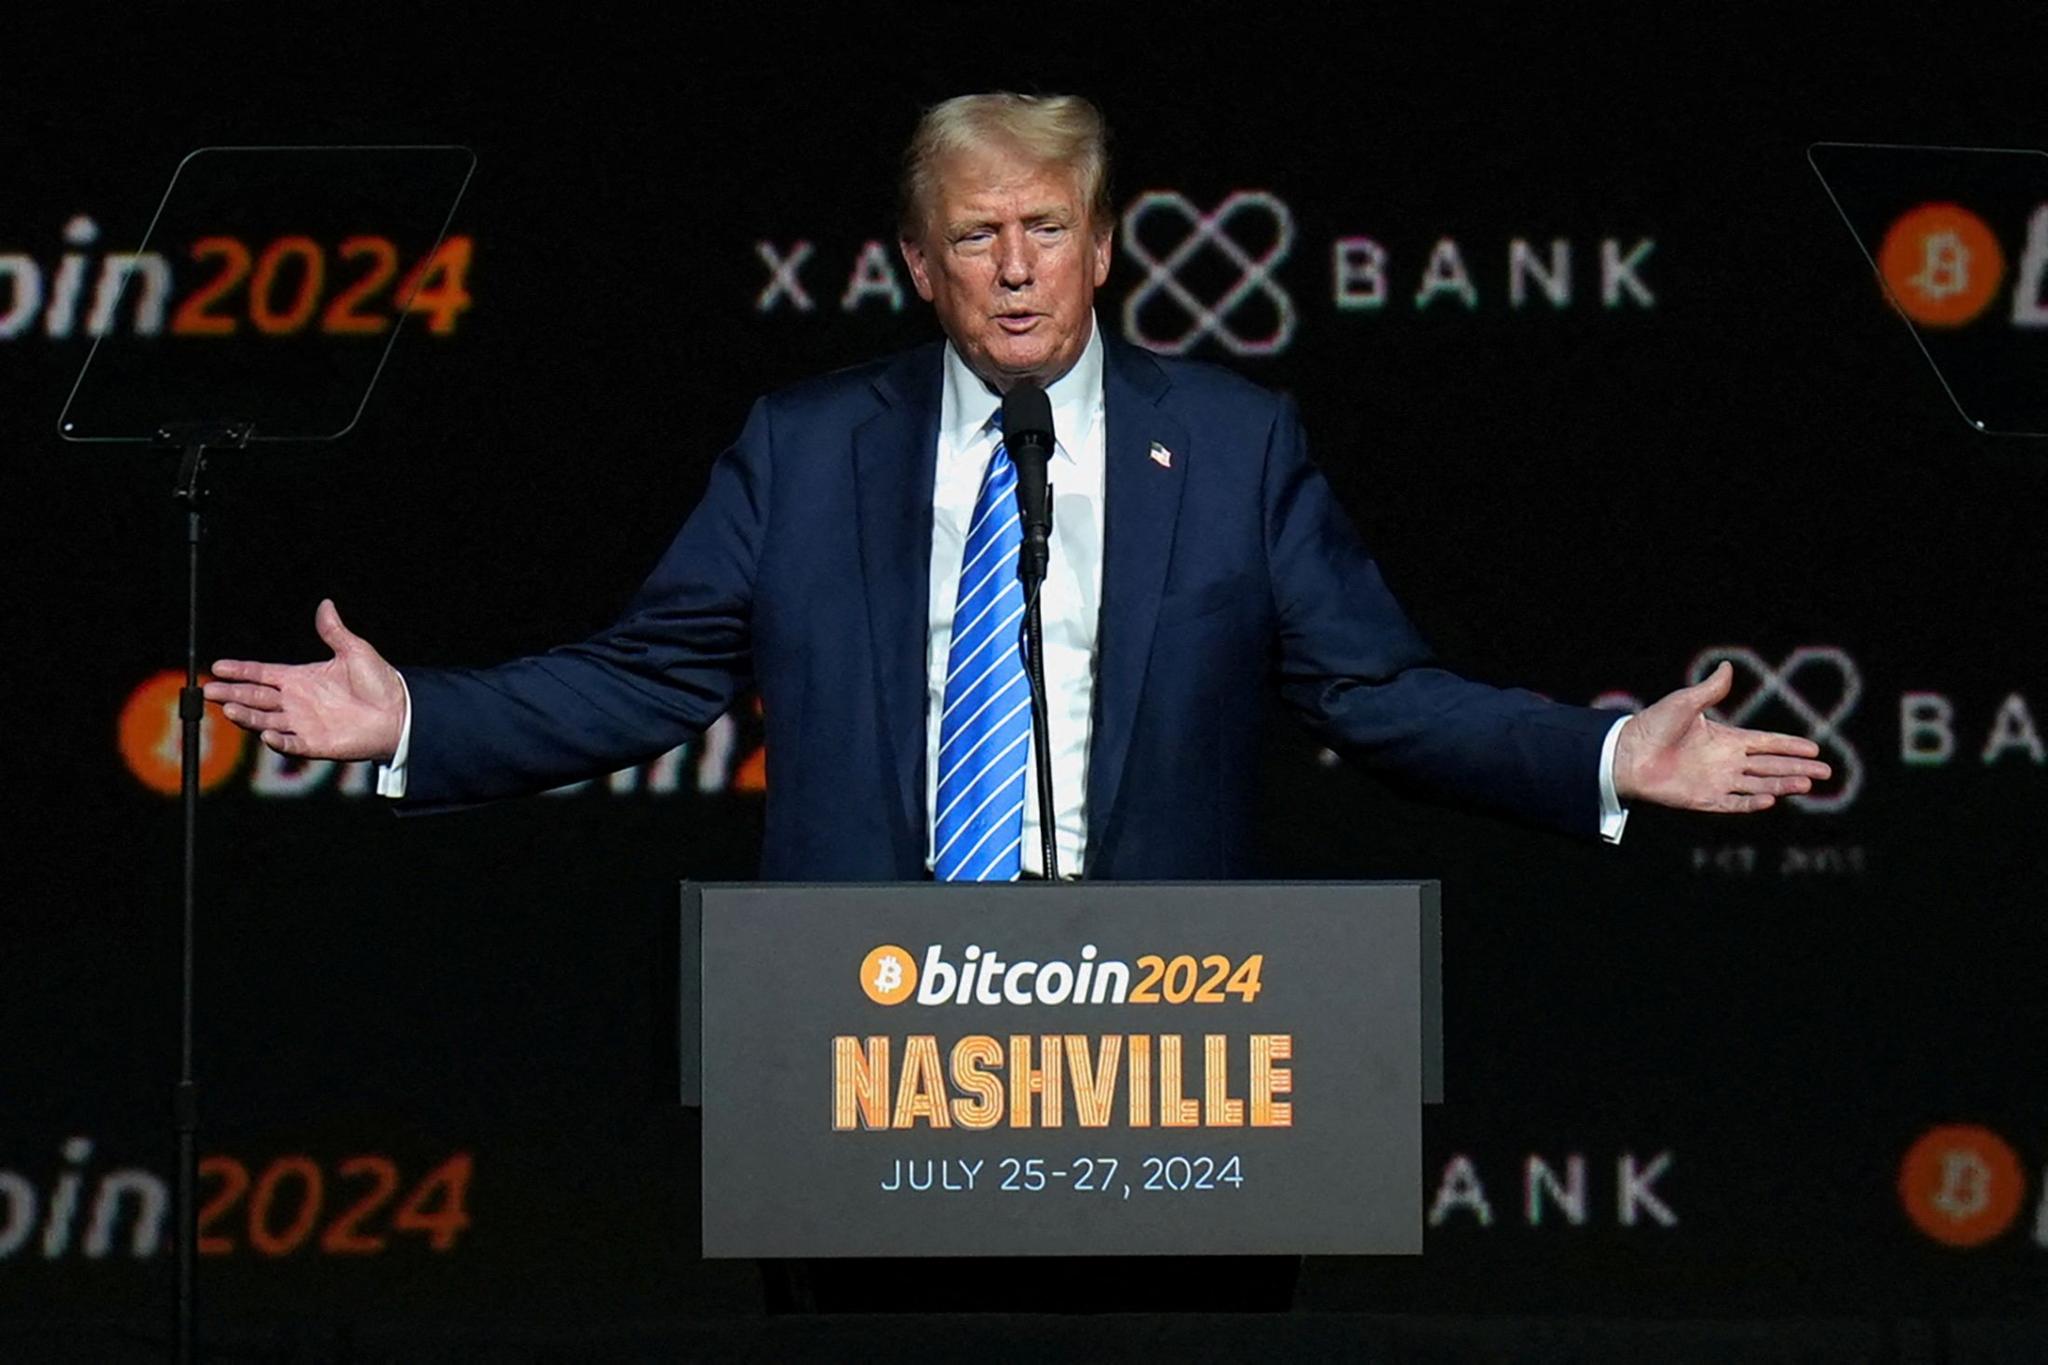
(1027, 435)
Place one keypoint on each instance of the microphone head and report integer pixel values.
(1027, 418)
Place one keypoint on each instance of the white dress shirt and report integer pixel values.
(1071, 598)
(1072, 595)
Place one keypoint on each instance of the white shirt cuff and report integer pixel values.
(1613, 816)
(391, 776)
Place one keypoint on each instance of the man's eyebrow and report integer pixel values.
(1051, 213)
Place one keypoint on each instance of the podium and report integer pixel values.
(1067, 1069)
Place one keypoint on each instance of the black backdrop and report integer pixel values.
(1747, 452)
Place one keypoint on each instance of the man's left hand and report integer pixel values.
(1674, 754)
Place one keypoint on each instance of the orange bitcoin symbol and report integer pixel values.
(1941, 264)
(153, 744)
(1961, 1184)
(888, 975)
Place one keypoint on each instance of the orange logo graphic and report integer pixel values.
(888, 975)
(1941, 264)
(1961, 1184)
(154, 745)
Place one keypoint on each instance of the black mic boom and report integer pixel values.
(1027, 434)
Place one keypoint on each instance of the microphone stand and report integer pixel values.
(1031, 563)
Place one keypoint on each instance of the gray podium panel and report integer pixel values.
(1078, 1069)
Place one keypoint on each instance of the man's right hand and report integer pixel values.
(350, 707)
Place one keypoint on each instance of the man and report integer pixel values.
(854, 558)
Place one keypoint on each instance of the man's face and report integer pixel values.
(1010, 261)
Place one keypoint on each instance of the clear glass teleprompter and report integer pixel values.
(269, 290)
(1958, 237)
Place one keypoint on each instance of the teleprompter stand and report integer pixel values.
(193, 439)
(1116, 1083)
(272, 358)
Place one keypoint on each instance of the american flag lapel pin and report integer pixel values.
(1161, 456)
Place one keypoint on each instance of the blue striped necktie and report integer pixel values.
(985, 731)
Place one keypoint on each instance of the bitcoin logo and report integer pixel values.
(1941, 264)
(153, 743)
(888, 975)
(1961, 1185)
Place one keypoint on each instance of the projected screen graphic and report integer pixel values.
(1617, 380)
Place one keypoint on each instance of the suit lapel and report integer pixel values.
(895, 457)
(1141, 510)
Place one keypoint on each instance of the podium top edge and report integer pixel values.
(1272, 885)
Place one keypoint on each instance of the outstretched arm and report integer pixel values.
(351, 706)
(662, 672)
(1355, 668)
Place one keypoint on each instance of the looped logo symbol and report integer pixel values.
(1211, 230)
(1776, 684)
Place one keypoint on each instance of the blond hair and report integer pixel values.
(1053, 130)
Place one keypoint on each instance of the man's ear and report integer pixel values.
(1105, 243)
(920, 265)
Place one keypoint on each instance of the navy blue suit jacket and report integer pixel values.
(805, 570)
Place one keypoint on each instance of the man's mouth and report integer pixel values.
(1017, 323)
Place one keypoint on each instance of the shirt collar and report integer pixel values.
(1076, 396)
